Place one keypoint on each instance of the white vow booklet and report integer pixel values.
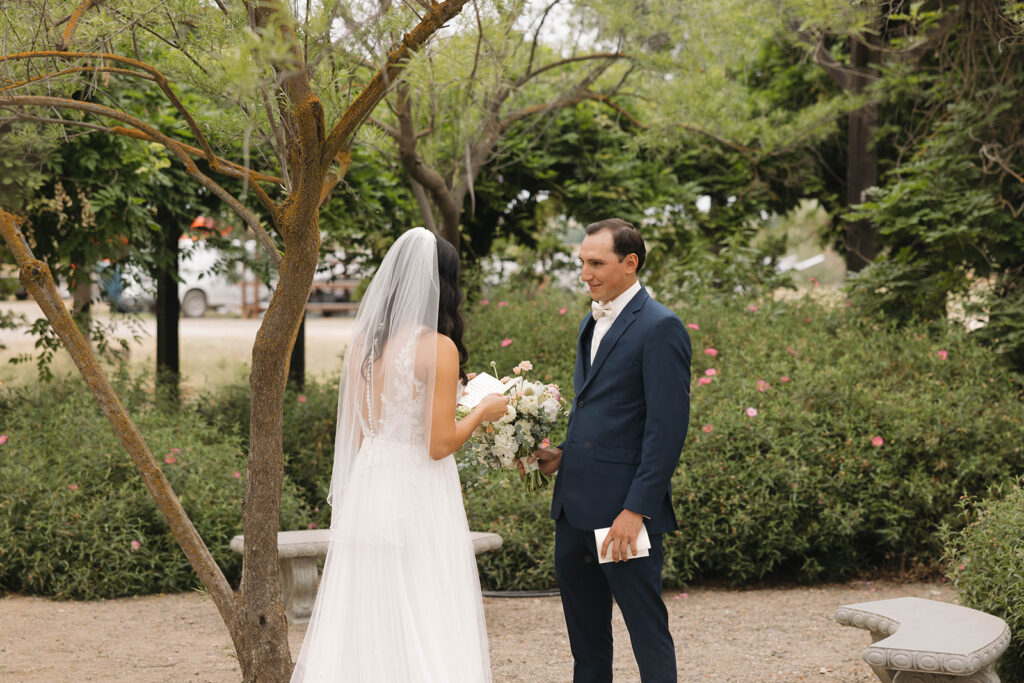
(643, 544)
(480, 386)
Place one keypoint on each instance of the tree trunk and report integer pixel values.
(297, 365)
(263, 628)
(168, 313)
(862, 161)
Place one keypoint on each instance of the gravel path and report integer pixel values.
(778, 634)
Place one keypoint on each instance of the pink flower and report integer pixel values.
(484, 302)
(506, 342)
(784, 379)
(525, 365)
(135, 545)
(808, 319)
(170, 459)
(301, 398)
(562, 310)
(877, 441)
(312, 525)
(943, 355)
(704, 380)
(72, 487)
(752, 308)
(963, 566)
(236, 474)
(3, 439)
(751, 412)
(711, 352)
(545, 442)
(711, 372)
(814, 281)
(848, 304)
(790, 350)
(708, 428)
(763, 386)
(502, 303)
(693, 326)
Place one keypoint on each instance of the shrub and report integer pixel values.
(853, 461)
(801, 490)
(983, 562)
(309, 417)
(76, 520)
(497, 502)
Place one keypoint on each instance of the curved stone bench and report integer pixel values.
(298, 552)
(926, 641)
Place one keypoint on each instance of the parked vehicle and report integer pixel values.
(205, 282)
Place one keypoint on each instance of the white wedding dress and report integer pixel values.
(399, 599)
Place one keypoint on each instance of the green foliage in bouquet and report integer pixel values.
(983, 561)
(76, 521)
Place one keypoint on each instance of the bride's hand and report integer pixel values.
(493, 407)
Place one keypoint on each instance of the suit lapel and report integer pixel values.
(618, 328)
(583, 352)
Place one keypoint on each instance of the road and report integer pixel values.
(214, 349)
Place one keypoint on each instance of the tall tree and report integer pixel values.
(264, 60)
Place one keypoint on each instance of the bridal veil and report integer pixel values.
(399, 599)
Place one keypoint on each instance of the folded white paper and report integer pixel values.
(643, 544)
(480, 386)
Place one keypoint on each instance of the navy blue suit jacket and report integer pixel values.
(628, 420)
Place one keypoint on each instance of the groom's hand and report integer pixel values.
(548, 458)
(623, 534)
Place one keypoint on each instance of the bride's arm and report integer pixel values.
(446, 433)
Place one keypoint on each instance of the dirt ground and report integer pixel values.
(778, 634)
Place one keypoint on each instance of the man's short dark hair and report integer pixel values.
(626, 239)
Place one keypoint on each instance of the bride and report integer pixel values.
(399, 599)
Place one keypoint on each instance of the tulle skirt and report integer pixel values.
(399, 599)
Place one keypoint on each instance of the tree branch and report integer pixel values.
(73, 21)
(76, 69)
(36, 277)
(562, 62)
(156, 76)
(174, 146)
(367, 100)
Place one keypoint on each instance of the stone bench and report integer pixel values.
(298, 552)
(926, 641)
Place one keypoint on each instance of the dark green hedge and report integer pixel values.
(75, 518)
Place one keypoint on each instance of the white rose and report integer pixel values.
(509, 416)
(529, 404)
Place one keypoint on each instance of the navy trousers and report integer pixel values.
(587, 589)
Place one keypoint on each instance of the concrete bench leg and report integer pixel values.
(298, 587)
(986, 675)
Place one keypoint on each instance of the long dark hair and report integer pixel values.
(449, 314)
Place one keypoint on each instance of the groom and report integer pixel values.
(626, 430)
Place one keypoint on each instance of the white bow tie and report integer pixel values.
(599, 310)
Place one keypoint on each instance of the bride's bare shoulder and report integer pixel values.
(435, 347)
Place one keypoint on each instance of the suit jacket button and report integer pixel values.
(579, 403)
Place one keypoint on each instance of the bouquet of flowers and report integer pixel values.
(533, 410)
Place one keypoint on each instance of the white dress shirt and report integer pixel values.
(601, 326)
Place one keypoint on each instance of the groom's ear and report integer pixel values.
(631, 261)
